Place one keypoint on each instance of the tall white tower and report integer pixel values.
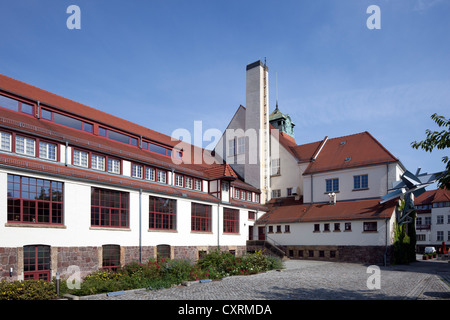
(257, 119)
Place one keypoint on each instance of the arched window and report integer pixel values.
(36, 262)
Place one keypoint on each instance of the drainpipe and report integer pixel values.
(218, 226)
(386, 248)
(312, 198)
(140, 225)
(67, 152)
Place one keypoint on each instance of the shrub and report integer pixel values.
(27, 290)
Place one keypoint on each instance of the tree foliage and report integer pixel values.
(438, 140)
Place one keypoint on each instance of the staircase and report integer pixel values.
(274, 249)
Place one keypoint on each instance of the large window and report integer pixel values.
(275, 167)
(36, 263)
(162, 213)
(200, 217)
(32, 200)
(230, 220)
(109, 208)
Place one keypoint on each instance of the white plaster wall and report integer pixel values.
(303, 234)
(380, 177)
(77, 230)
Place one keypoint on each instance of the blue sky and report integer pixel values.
(165, 64)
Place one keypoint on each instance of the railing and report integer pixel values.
(423, 227)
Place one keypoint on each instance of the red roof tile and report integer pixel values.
(432, 196)
(350, 151)
(289, 212)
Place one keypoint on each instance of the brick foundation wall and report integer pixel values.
(89, 259)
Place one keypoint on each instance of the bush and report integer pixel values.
(27, 290)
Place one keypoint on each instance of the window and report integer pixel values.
(440, 236)
(360, 182)
(80, 158)
(5, 141)
(32, 200)
(150, 174)
(278, 229)
(270, 229)
(236, 193)
(162, 213)
(275, 167)
(251, 215)
(25, 146)
(332, 185)
(370, 226)
(109, 208)
(97, 162)
(337, 226)
(113, 166)
(47, 150)
(276, 193)
(287, 228)
(289, 192)
(200, 217)
(231, 147)
(198, 184)
(326, 227)
(36, 263)
(136, 171)
(111, 257)
(242, 195)
(230, 220)
(161, 175)
(440, 219)
(241, 145)
(188, 182)
(249, 196)
(16, 105)
(257, 197)
(179, 180)
(316, 227)
(348, 226)
(163, 251)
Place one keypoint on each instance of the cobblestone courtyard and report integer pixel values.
(314, 280)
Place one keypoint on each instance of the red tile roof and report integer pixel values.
(49, 129)
(433, 196)
(355, 150)
(290, 211)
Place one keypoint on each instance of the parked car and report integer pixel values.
(430, 250)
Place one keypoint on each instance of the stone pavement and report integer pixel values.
(315, 280)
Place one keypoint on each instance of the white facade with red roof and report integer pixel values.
(80, 187)
(433, 219)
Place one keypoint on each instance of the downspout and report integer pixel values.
(312, 188)
(218, 226)
(67, 152)
(140, 225)
(386, 248)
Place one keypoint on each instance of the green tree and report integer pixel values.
(438, 140)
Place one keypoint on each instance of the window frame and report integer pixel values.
(20, 104)
(201, 217)
(231, 220)
(361, 182)
(109, 213)
(111, 257)
(334, 185)
(47, 211)
(370, 226)
(37, 262)
(160, 219)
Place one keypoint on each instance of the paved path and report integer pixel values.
(316, 280)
